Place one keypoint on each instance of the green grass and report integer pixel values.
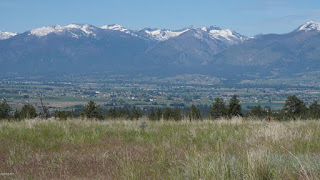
(224, 149)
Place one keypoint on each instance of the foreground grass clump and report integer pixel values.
(224, 149)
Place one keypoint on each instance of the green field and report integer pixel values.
(223, 149)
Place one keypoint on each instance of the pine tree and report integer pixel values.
(135, 114)
(158, 115)
(4, 110)
(176, 114)
(28, 112)
(91, 111)
(124, 113)
(152, 115)
(293, 108)
(167, 114)
(257, 112)
(194, 113)
(314, 110)
(234, 108)
(218, 109)
(112, 113)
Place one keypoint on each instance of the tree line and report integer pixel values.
(294, 108)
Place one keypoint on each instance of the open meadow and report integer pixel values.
(119, 149)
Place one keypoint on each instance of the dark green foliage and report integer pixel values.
(257, 112)
(91, 111)
(16, 115)
(293, 108)
(314, 110)
(219, 109)
(170, 114)
(27, 112)
(234, 108)
(5, 110)
(62, 115)
(135, 114)
(167, 114)
(177, 116)
(152, 115)
(158, 115)
(124, 113)
(194, 113)
(112, 113)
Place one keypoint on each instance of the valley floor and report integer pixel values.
(224, 149)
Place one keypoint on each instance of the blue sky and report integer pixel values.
(248, 17)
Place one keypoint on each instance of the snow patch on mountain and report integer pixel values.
(309, 26)
(6, 35)
(162, 35)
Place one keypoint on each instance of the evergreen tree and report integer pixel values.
(91, 111)
(17, 115)
(257, 112)
(218, 109)
(158, 114)
(293, 108)
(194, 113)
(124, 113)
(152, 115)
(135, 114)
(28, 112)
(167, 114)
(62, 115)
(4, 110)
(176, 114)
(234, 108)
(314, 110)
(112, 113)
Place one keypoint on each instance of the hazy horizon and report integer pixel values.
(246, 17)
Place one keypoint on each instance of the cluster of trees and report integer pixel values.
(220, 110)
(294, 108)
(27, 112)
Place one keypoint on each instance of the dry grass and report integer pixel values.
(224, 149)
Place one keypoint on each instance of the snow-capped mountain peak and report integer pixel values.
(309, 26)
(43, 31)
(6, 35)
(223, 34)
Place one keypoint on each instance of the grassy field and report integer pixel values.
(224, 149)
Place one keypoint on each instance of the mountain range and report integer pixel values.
(82, 48)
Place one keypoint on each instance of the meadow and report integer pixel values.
(121, 149)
